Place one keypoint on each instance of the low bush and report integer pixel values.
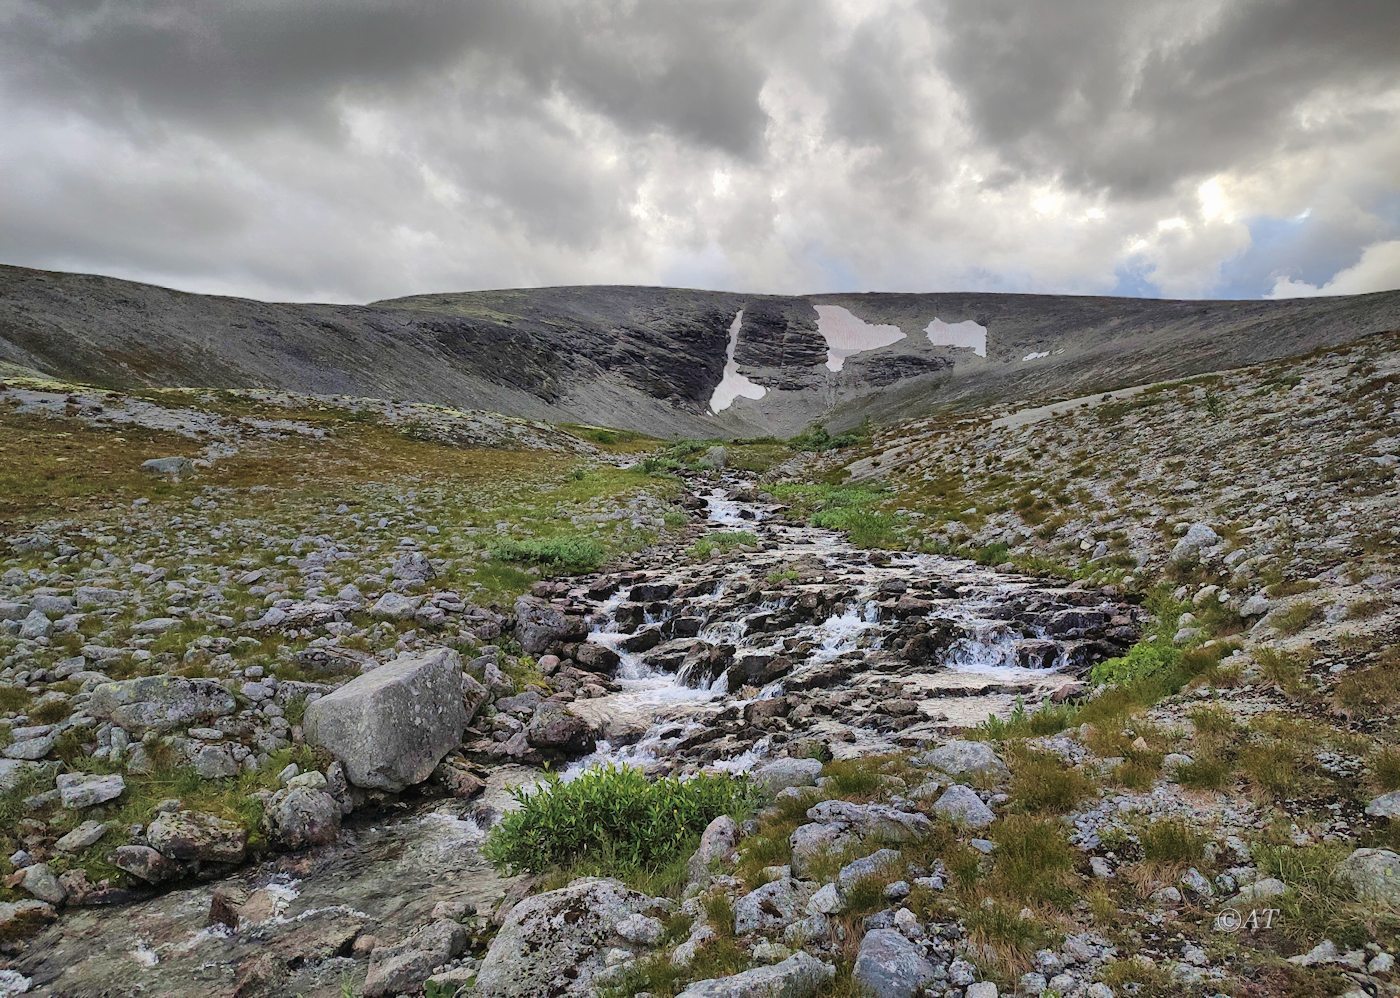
(1144, 659)
(571, 554)
(614, 815)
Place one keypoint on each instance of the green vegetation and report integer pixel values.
(723, 541)
(853, 509)
(570, 554)
(614, 815)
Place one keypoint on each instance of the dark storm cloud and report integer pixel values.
(1138, 97)
(215, 64)
(355, 149)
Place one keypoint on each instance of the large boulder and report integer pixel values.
(963, 807)
(555, 944)
(964, 758)
(890, 966)
(555, 731)
(1375, 873)
(196, 836)
(298, 817)
(160, 703)
(539, 624)
(390, 727)
(799, 976)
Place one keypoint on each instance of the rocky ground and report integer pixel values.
(1089, 699)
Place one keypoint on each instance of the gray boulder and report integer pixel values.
(82, 790)
(555, 944)
(174, 467)
(299, 817)
(390, 727)
(799, 976)
(1385, 806)
(839, 824)
(199, 837)
(962, 806)
(1375, 873)
(717, 846)
(772, 907)
(1198, 538)
(779, 774)
(964, 758)
(539, 624)
(14, 773)
(890, 966)
(556, 731)
(404, 967)
(160, 703)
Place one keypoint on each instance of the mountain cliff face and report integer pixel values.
(651, 358)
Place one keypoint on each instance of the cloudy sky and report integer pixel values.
(347, 150)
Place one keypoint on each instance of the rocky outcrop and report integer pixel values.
(160, 703)
(555, 944)
(390, 727)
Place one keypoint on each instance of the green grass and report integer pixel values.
(1170, 841)
(723, 541)
(853, 509)
(613, 815)
(1291, 620)
(1044, 782)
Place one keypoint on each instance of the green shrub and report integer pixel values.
(1171, 841)
(572, 554)
(1143, 659)
(993, 554)
(722, 541)
(614, 815)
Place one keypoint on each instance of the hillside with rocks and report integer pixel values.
(654, 359)
(326, 670)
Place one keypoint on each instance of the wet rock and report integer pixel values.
(160, 703)
(199, 837)
(890, 966)
(77, 791)
(301, 817)
(145, 863)
(799, 976)
(555, 731)
(539, 624)
(390, 727)
(405, 966)
(556, 943)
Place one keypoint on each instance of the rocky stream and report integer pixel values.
(758, 658)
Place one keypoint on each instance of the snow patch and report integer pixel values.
(966, 334)
(732, 384)
(846, 334)
(1037, 355)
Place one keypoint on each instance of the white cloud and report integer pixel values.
(1377, 270)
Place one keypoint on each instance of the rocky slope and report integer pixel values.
(651, 358)
(1093, 697)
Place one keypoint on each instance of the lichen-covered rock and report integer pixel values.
(405, 966)
(539, 625)
(1375, 873)
(299, 817)
(82, 790)
(890, 966)
(390, 727)
(799, 976)
(555, 944)
(160, 703)
(555, 731)
(964, 758)
(717, 846)
(962, 806)
(196, 836)
(772, 907)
